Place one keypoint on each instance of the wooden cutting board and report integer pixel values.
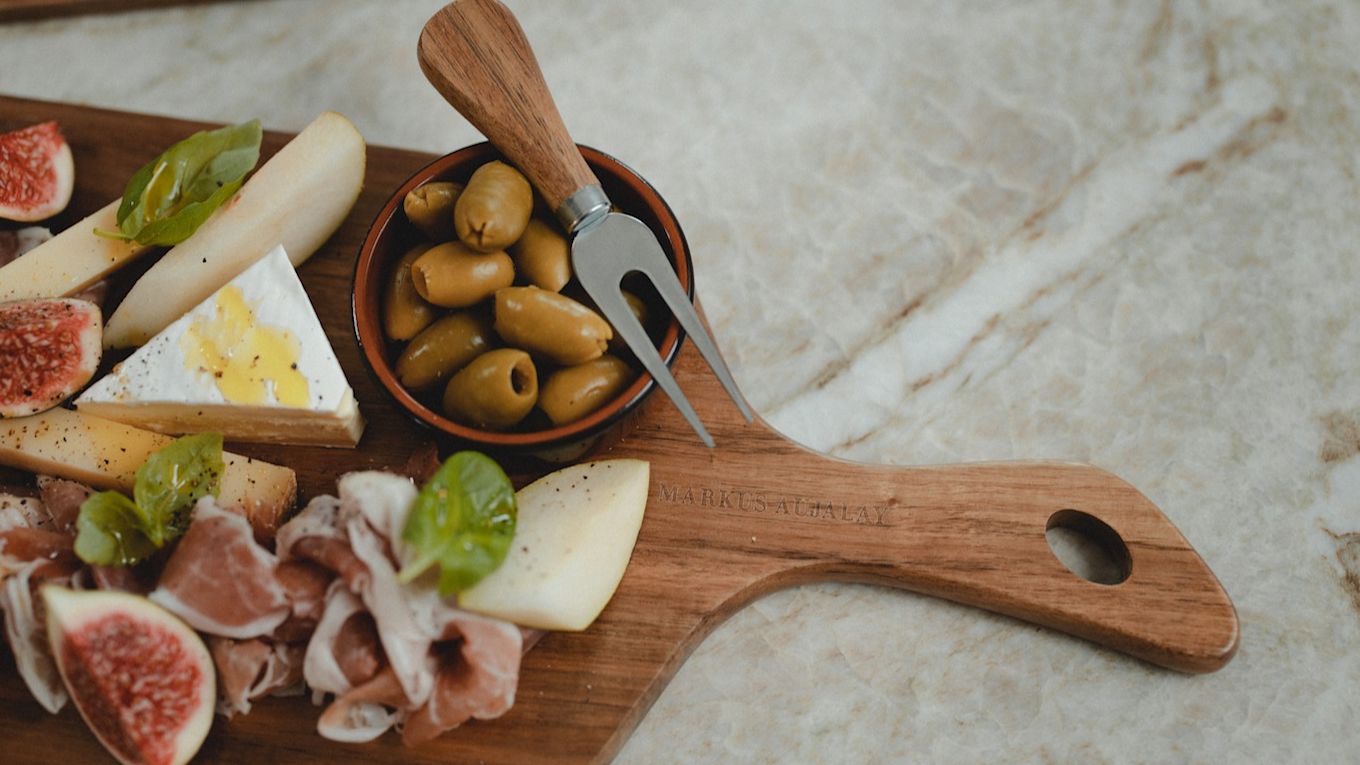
(723, 527)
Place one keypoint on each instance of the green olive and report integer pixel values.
(405, 312)
(542, 256)
(493, 210)
(430, 209)
(455, 276)
(574, 392)
(550, 324)
(495, 391)
(445, 347)
(640, 312)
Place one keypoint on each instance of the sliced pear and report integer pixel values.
(298, 199)
(71, 261)
(575, 533)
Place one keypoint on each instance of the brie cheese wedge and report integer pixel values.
(251, 362)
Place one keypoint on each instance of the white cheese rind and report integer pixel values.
(162, 389)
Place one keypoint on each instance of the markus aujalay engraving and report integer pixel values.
(759, 502)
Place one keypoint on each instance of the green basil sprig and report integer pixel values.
(463, 520)
(172, 195)
(113, 530)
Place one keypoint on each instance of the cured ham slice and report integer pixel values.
(18, 512)
(320, 518)
(384, 499)
(220, 580)
(249, 669)
(44, 553)
(316, 534)
(27, 634)
(305, 584)
(344, 651)
(238, 664)
(333, 555)
(137, 580)
(390, 654)
(16, 243)
(363, 714)
(62, 500)
(477, 681)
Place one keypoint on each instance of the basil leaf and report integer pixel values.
(167, 199)
(108, 531)
(172, 479)
(113, 530)
(184, 223)
(463, 520)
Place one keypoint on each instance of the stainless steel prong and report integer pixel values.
(611, 303)
(602, 254)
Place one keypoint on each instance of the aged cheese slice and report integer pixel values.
(70, 261)
(106, 455)
(251, 362)
(573, 538)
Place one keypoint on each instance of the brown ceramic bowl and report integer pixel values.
(391, 235)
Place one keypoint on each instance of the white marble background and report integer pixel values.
(1118, 232)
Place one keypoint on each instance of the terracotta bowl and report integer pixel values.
(391, 235)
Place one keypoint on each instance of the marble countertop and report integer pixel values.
(939, 231)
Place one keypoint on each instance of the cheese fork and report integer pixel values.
(476, 55)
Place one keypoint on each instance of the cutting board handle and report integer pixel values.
(778, 514)
(977, 534)
(476, 55)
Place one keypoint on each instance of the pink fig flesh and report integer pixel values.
(143, 681)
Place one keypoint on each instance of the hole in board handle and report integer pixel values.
(1088, 547)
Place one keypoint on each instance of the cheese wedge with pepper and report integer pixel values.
(106, 455)
(251, 362)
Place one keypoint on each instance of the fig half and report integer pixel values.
(141, 678)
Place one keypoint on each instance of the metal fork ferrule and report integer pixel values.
(584, 208)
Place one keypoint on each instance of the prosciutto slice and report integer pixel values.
(43, 553)
(62, 500)
(220, 580)
(363, 714)
(138, 580)
(27, 634)
(344, 651)
(18, 512)
(477, 681)
(15, 243)
(406, 638)
(392, 654)
(305, 584)
(249, 669)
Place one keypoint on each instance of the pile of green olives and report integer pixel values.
(491, 340)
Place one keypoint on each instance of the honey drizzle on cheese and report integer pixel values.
(243, 357)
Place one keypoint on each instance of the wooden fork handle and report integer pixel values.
(475, 54)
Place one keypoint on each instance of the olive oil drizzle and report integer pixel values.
(243, 357)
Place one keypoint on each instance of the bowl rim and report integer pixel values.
(588, 426)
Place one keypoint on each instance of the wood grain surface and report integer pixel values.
(30, 10)
(723, 527)
(475, 54)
